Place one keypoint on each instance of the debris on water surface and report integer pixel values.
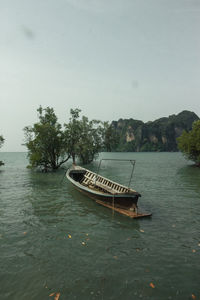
(193, 250)
(199, 244)
(173, 225)
(141, 230)
(69, 236)
(57, 296)
(83, 243)
(152, 285)
(25, 232)
(193, 296)
(115, 257)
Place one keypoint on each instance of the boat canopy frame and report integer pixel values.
(132, 161)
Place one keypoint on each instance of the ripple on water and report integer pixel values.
(108, 256)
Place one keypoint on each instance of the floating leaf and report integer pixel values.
(115, 257)
(141, 230)
(83, 243)
(87, 239)
(152, 285)
(51, 294)
(86, 234)
(24, 232)
(193, 250)
(57, 296)
(193, 296)
(199, 244)
(69, 236)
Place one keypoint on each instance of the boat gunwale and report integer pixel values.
(100, 176)
(81, 186)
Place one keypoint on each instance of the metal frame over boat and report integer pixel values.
(106, 192)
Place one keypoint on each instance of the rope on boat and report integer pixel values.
(113, 203)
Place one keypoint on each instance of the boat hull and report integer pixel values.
(124, 203)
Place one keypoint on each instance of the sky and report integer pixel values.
(112, 59)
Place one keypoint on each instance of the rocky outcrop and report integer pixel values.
(159, 135)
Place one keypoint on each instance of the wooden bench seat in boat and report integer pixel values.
(108, 185)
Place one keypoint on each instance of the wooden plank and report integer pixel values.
(101, 178)
(85, 181)
(104, 183)
(105, 187)
(125, 212)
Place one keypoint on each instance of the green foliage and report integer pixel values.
(84, 137)
(129, 147)
(189, 143)
(110, 137)
(73, 133)
(1, 144)
(46, 142)
(49, 146)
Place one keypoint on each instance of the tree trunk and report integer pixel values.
(73, 158)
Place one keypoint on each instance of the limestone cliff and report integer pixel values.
(158, 135)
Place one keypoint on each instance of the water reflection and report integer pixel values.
(88, 206)
(54, 201)
(46, 195)
(123, 255)
(189, 175)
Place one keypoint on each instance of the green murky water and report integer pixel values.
(108, 256)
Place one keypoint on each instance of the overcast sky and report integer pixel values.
(111, 58)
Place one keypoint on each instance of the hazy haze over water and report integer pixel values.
(112, 59)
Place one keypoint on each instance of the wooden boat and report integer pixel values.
(105, 192)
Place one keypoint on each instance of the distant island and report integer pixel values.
(50, 145)
(159, 135)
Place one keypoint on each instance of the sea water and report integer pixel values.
(55, 240)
